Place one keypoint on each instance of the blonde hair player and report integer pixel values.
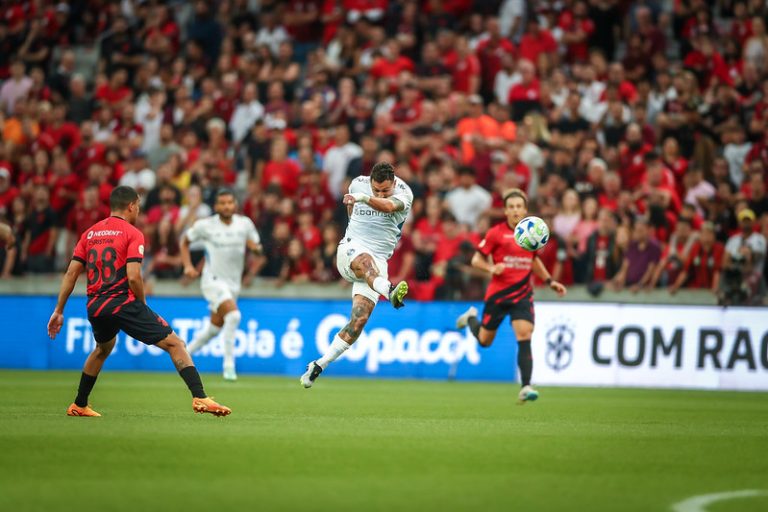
(510, 291)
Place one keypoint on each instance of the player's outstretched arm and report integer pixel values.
(135, 282)
(541, 271)
(186, 258)
(381, 204)
(67, 285)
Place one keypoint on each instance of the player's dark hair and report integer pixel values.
(383, 171)
(466, 170)
(121, 197)
(225, 192)
(516, 192)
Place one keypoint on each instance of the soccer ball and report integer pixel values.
(531, 233)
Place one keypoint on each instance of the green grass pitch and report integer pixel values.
(369, 445)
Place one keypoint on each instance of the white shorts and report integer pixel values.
(346, 253)
(216, 291)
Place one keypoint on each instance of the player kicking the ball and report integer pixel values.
(226, 236)
(510, 292)
(378, 206)
(111, 251)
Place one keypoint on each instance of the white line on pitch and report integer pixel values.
(701, 502)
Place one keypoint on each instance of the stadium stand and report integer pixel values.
(637, 128)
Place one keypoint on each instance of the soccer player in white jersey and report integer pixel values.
(378, 206)
(225, 236)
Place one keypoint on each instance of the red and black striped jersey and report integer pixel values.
(514, 283)
(105, 249)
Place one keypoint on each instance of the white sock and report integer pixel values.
(338, 347)
(229, 330)
(202, 337)
(382, 286)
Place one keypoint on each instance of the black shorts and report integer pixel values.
(494, 313)
(135, 319)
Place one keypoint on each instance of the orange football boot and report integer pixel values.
(76, 410)
(210, 406)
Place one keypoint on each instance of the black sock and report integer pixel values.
(474, 326)
(84, 390)
(525, 361)
(192, 379)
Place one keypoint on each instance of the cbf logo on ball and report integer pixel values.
(531, 233)
(559, 339)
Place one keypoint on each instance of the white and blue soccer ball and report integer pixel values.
(532, 233)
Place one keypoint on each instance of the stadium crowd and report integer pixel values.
(638, 129)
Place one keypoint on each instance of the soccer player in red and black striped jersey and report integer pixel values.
(510, 291)
(111, 252)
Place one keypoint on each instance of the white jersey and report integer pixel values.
(224, 246)
(375, 230)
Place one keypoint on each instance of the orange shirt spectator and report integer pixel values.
(476, 124)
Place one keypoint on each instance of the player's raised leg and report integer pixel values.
(523, 332)
(231, 317)
(364, 268)
(362, 307)
(186, 368)
(91, 370)
(484, 334)
(206, 334)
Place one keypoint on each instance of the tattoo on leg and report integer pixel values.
(365, 268)
(358, 319)
(179, 364)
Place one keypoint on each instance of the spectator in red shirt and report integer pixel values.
(308, 232)
(658, 178)
(466, 69)
(297, 267)
(226, 103)
(653, 38)
(741, 26)
(64, 186)
(59, 132)
(407, 111)
(616, 78)
(676, 255)
(632, 157)
(427, 234)
(537, 45)
(115, 94)
(673, 160)
(87, 212)
(602, 258)
(490, 52)
(525, 96)
(392, 63)
(707, 63)
(167, 210)
(87, 152)
(280, 169)
(162, 34)
(38, 249)
(302, 20)
(577, 29)
(702, 268)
